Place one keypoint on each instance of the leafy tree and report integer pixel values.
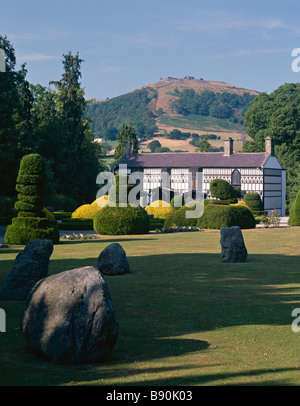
(153, 145)
(277, 115)
(127, 133)
(9, 104)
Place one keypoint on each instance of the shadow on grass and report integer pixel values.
(168, 296)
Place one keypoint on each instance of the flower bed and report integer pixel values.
(80, 237)
(177, 229)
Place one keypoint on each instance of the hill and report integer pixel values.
(192, 106)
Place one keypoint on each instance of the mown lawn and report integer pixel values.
(185, 318)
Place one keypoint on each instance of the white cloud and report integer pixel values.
(35, 56)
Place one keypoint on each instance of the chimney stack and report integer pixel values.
(228, 147)
(269, 146)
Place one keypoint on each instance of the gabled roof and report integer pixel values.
(195, 159)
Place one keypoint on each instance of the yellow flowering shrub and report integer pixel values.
(160, 209)
(85, 211)
(101, 201)
(240, 203)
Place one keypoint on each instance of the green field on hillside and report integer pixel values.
(195, 122)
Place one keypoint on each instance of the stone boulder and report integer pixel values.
(233, 246)
(69, 317)
(113, 261)
(29, 267)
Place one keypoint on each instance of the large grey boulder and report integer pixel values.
(113, 261)
(69, 317)
(29, 267)
(233, 246)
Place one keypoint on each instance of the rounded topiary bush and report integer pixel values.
(254, 202)
(219, 216)
(120, 190)
(31, 222)
(179, 217)
(221, 189)
(122, 221)
(294, 218)
(160, 209)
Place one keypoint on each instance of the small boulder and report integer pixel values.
(113, 261)
(29, 267)
(69, 317)
(233, 246)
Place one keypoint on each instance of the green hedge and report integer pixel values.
(254, 202)
(179, 219)
(62, 215)
(122, 221)
(76, 224)
(22, 235)
(156, 223)
(294, 218)
(216, 217)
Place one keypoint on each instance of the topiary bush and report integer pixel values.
(221, 189)
(117, 192)
(122, 221)
(179, 218)
(254, 202)
(218, 216)
(31, 222)
(177, 202)
(294, 218)
(160, 209)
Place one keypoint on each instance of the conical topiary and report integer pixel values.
(31, 223)
(294, 218)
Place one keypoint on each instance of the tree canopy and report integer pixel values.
(277, 115)
(50, 122)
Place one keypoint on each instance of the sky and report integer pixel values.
(126, 44)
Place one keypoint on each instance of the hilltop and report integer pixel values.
(190, 105)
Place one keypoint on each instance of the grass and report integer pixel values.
(185, 318)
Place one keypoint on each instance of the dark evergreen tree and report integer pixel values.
(9, 104)
(77, 163)
(127, 133)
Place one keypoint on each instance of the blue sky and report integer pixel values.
(126, 44)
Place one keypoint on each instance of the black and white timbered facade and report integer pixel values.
(253, 172)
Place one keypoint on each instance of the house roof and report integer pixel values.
(194, 159)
